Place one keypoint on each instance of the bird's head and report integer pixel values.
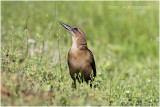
(75, 32)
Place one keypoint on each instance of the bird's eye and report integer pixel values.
(75, 28)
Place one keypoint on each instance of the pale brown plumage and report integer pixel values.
(80, 58)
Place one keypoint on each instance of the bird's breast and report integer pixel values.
(78, 58)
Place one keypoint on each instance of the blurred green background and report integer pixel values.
(123, 37)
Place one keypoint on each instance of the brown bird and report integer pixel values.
(80, 59)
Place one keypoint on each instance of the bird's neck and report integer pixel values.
(79, 44)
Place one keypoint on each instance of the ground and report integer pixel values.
(123, 37)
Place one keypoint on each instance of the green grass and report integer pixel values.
(124, 43)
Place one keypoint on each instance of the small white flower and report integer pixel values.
(88, 105)
(151, 100)
(31, 41)
(127, 92)
(158, 39)
(99, 73)
(148, 80)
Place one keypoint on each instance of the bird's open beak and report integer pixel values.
(66, 26)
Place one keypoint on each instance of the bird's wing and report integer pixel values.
(93, 65)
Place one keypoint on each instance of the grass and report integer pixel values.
(34, 49)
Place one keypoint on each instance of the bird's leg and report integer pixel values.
(74, 83)
(90, 85)
(92, 78)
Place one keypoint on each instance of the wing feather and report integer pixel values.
(93, 65)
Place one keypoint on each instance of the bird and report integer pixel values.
(80, 59)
